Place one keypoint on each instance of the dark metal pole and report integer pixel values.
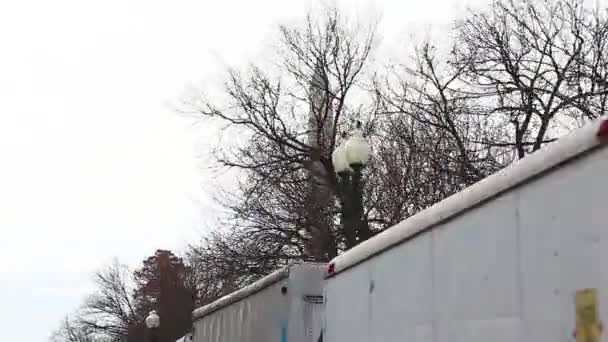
(346, 199)
(153, 335)
(361, 228)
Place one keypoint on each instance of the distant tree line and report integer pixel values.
(116, 310)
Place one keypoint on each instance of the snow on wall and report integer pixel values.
(246, 291)
(573, 144)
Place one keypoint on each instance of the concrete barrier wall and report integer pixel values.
(506, 270)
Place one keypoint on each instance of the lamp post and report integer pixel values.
(153, 322)
(349, 158)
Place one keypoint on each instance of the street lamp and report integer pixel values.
(354, 152)
(349, 158)
(153, 322)
(356, 149)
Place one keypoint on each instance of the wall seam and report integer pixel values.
(434, 318)
(519, 257)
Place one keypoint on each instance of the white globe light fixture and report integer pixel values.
(339, 161)
(356, 149)
(153, 321)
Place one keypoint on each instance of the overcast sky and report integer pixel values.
(94, 163)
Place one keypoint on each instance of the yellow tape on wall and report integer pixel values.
(588, 324)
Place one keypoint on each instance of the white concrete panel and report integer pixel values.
(564, 240)
(305, 280)
(424, 333)
(402, 289)
(545, 330)
(391, 330)
(403, 332)
(264, 310)
(504, 271)
(494, 329)
(475, 263)
(348, 309)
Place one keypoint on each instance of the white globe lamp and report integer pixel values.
(356, 149)
(339, 161)
(152, 321)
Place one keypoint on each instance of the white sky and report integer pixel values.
(94, 163)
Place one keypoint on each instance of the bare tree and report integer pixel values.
(116, 310)
(291, 123)
(107, 314)
(111, 310)
(72, 331)
(427, 97)
(536, 65)
(512, 78)
(226, 261)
